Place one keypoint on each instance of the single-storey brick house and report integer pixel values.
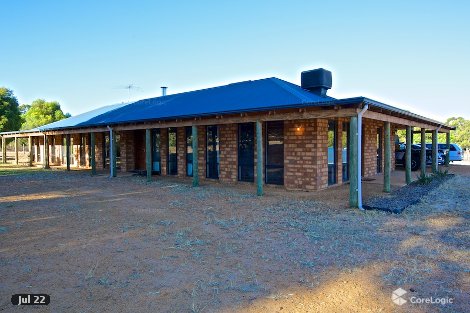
(266, 131)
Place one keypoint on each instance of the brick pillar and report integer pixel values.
(299, 155)
(201, 133)
(99, 138)
(181, 151)
(127, 146)
(228, 153)
(321, 153)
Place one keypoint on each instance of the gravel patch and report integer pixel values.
(400, 199)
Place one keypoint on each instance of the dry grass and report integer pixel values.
(124, 244)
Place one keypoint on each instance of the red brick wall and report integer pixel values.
(99, 139)
(300, 149)
(201, 135)
(181, 151)
(369, 159)
(228, 153)
(127, 146)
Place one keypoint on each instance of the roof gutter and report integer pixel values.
(359, 156)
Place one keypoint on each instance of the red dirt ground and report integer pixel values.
(123, 245)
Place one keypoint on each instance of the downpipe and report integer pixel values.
(111, 149)
(359, 156)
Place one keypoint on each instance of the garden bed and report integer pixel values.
(400, 199)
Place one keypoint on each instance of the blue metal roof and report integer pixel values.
(263, 94)
(77, 120)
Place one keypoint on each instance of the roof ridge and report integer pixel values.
(208, 88)
(284, 84)
(294, 89)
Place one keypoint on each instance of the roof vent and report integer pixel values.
(164, 91)
(317, 81)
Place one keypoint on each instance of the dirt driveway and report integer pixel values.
(123, 245)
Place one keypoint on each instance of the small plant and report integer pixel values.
(424, 179)
(440, 174)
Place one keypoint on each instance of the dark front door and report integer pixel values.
(379, 150)
(275, 153)
(212, 152)
(139, 148)
(246, 152)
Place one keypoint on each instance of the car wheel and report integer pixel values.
(414, 164)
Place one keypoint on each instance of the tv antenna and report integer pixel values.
(129, 87)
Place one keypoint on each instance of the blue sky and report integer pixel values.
(411, 54)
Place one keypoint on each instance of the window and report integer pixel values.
(156, 156)
(345, 151)
(189, 151)
(246, 152)
(274, 171)
(379, 150)
(172, 155)
(331, 152)
(212, 152)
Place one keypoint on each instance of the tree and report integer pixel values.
(41, 112)
(461, 135)
(10, 115)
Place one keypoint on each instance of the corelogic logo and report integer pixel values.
(397, 296)
(399, 299)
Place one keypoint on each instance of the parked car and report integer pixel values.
(456, 153)
(400, 156)
(441, 153)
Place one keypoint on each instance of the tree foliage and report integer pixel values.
(10, 115)
(460, 136)
(41, 112)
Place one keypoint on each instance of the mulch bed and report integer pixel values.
(398, 200)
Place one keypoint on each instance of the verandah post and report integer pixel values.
(30, 151)
(16, 151)
(448, 148)
(195, 156)
(148, 154)
(113, 152)
(92, 153)
(67, 150)
(408, 155)
(46, 153)
(434, 151)
(4, 150)
(259, 158)
(423, 152)
(388, 156)
(353, 159)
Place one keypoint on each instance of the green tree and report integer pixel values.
(461, 135)
(10, 115)
(41, 113)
